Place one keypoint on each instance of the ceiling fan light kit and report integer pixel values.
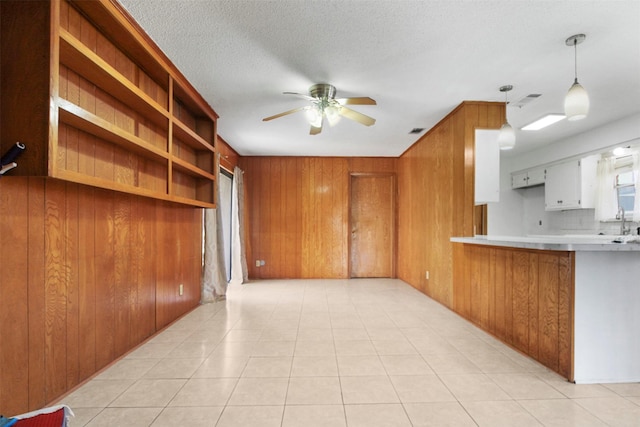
(324, 105)
(507, 136)
(576, 102)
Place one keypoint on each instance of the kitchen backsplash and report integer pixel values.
(578, 221)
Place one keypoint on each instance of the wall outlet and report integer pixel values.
(257, 263)
(426, 275)
(181, 289)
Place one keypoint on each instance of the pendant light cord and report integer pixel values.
(575, 59)
(506, 103)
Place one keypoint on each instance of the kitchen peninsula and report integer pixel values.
(570, 302)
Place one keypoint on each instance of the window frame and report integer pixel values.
(624, 165)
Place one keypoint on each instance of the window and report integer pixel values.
(625, 183)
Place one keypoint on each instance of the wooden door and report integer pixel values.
(372, 249)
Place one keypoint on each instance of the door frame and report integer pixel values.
(227, 234)
(394, 218)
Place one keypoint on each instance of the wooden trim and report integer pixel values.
(228, 156)
(54, 67)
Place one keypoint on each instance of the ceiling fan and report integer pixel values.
(324, 104)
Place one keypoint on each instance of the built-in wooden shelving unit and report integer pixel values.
(97, 103)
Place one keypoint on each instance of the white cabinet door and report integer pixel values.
(519, 180)
(571, 185)
(535, 177)
(528, 178)
(487, 176)
(562, 186)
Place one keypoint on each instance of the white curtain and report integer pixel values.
(606, 203)
(636, 171)
(239, 271)
(214, 282)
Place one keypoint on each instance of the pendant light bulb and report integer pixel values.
(507, 136)
(576, 102)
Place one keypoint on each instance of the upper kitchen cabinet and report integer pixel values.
(528, 178)
(571, 185)
(96, 102)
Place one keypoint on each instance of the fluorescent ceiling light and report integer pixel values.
(545, 121)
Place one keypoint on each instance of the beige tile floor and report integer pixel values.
(334, 353)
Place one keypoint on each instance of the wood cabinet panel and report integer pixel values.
(549, 311)
(566, 282)
(534, 305)
(523, 297)
(520, 300)
(479, 287)
(503, 310)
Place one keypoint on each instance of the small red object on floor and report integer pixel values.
(54, 419)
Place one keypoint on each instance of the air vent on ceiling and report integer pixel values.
(527, 99)
(416, 130)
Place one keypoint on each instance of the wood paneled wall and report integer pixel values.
(436, 197)
(85, 275)
(523, 297)
(298, 214)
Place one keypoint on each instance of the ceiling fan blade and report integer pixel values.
(364, 100)
(300, 95)
(295, 110)
(316, 129)
(358, 117)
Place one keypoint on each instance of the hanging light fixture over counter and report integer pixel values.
(507, 136)
(576, 102)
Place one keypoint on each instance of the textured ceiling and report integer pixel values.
(417, 59)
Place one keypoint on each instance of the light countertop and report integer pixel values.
(597, 243)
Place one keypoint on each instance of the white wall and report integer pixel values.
(519, 212)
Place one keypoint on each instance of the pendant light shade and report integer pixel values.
(314, 116)
(507, 136)
(576, 102)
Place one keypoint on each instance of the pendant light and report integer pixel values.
(576, 102)
(507, 136)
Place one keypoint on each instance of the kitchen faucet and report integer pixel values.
(624, 229)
